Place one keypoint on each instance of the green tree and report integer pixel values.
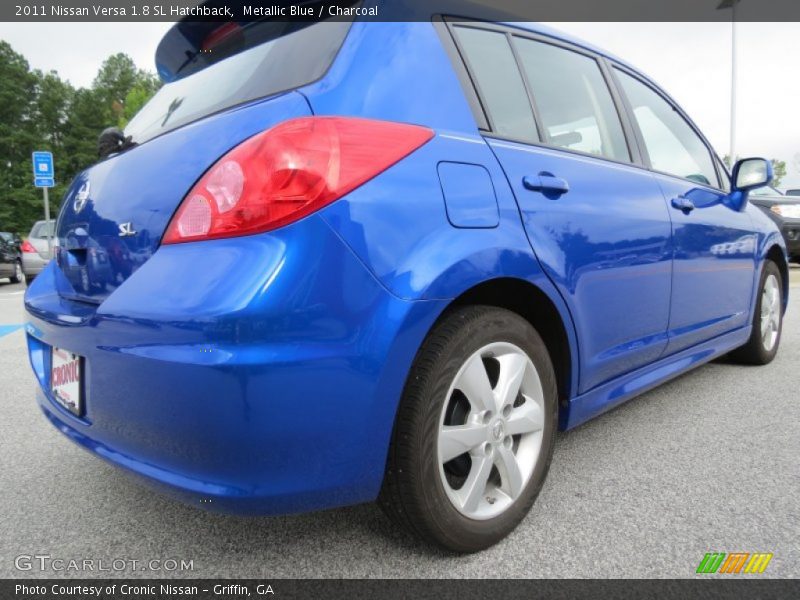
(18, 136)
(135, 99)
(779, 170)
(122, 88)
(40, 111)
(51, 105)
(84, 123)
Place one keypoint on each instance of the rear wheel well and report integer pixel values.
(533, 305)
(776, 255)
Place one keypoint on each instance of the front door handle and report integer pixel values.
(683, 204)
(545, 182)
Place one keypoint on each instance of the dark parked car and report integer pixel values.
(785, 211)
(10, 257)
(795, 192)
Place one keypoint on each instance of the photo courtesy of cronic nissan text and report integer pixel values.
(320, 299)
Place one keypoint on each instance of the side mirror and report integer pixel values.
(751, 173)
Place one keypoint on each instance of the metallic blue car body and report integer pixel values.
(262, 374)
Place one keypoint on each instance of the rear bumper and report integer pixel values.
(254, 375)
(32, 264)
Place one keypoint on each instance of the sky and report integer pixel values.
(691, 61)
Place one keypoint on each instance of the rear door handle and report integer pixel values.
(545, 182)
(683, 204)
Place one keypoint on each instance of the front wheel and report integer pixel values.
(474, 432)
(765, 338)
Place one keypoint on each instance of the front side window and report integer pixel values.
(673, 146)
(499, 82)
(724, 175)
(574, 102)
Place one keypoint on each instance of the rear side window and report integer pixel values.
(574, 103)
(491, 61)
(282, 64)
(671, 143)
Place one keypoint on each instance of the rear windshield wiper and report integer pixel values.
(113, 141)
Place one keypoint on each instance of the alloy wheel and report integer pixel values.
(490, 430)
(770, 312)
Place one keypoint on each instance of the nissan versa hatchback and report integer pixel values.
(338, 262)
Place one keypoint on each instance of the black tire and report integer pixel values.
(29, 279)
(413, 494)
(754, 351)
(18, 276)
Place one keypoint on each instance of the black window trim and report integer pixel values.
(635, 158)
(722, 173)
(633, 137)
(618, 108)
(459, 62)
(612, 65)
(452, 23)
(544, 137)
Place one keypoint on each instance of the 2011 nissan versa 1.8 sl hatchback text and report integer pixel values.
(343, 262)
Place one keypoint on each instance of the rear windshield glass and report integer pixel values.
(282, 64)
(40, 229)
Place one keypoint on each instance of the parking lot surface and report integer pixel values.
(708, 462)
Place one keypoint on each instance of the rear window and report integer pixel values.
(282, 64)
(574, 102)
(40, 229)
(499, 82)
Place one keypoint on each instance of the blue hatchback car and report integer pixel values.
(338, 262)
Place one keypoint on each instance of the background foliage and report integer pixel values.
(40, 111)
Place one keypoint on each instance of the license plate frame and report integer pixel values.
(66, 379)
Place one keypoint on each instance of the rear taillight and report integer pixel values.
(27, 247)
(288, 172)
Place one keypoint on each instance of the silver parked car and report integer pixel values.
(34, 250)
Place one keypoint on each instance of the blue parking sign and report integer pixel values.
(43, 171)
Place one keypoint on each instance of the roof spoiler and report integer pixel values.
(196, 42)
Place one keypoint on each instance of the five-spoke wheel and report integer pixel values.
(474, 432)
(490, 431)
(765, 337)
(770, 312)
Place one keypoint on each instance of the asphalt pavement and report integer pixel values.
(707, 462)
